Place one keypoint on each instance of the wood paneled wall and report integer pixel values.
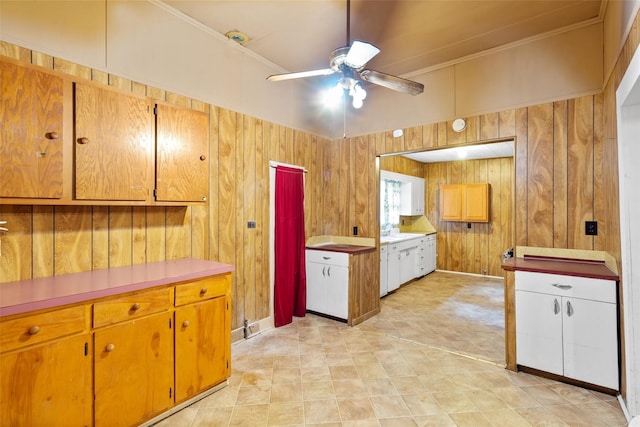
(565, 172)
(53, 240)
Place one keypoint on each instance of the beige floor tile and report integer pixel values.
(356, 409)
(422, 404)
(318, 390)
(287, 392)
(389, 407)
(250, 415)
(350, 388)
(253, 395)
(470, 419)
(442, 420)
(207, 417)
(321, 411)
(454, 401)
(286, 414)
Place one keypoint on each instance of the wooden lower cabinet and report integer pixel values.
(201, 356)
(133, 368)
(115, 361)
(47, 385)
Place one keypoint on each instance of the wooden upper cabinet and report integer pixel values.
(31, 149)
(113, 145)
(464, 202)
(476, 203)
(451, 202)
(182, 150)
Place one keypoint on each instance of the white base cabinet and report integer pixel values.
(405, 260)
(328, 283)
(568, 326)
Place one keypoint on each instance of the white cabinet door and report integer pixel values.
(417, 196)
(408, 260)
(316, 287)
(383, 271)
(539, 331)
(590, 341)
(337, 285)
(393, 271)
(431, 253)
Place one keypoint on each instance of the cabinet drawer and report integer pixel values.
(38, 328)
(328, 257)
(203, 289)
(570, 286)
(130, 307)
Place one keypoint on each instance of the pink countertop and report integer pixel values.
(47, 292)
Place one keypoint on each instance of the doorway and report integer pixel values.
(628, 116)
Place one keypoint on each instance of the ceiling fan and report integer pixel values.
(350, 61)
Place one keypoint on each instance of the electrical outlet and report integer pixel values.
(251, 224)
(591, 228)
(355, 231)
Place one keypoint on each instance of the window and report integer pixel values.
(389, 203)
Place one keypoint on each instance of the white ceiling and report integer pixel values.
(479, 151)
(414, 35)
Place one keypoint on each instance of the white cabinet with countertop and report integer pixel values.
(406, 257)
(328, 283)
(568, 325)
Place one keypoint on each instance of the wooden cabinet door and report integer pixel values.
(133, 370)
(47, 385)
(590, 341)
(31, 104)
(113, 145)
(201, 351)
(476, 199)
(182, 150)
(451, 202)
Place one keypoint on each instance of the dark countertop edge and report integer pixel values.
(350, 249)
(203, 268)
(562, 266)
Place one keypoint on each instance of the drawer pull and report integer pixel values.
(33, 330)
(135, 307)
(326, 257)
(563, 287)
(83, 140)
(185, 324)
(203, 291)
(109, 348)
(51, 135)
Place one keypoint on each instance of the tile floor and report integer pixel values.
(406, 366)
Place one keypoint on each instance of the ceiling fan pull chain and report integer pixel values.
(348, 23)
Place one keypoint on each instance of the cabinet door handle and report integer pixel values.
(556, 306)
(323, 268)
(329, 271)
(563, 287)
(569, 309)
(109, 348)
(83, 140)
(51, 135)
(203, 157)
(33, 330)
(185, 324)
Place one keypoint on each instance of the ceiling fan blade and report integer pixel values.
(392, 82)
(360, 53)
(301, 74)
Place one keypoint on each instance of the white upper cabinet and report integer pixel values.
(411, 192)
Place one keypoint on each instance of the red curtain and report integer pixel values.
(290, 287)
